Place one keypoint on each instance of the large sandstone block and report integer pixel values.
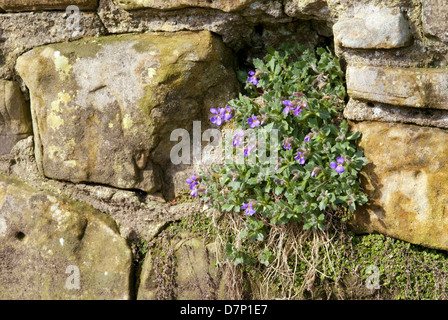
(51, 248)
(34, 5)
(373, 27)
(412, 87)
(406, 182)
(103, 109)
(15, 116)
(224, 5)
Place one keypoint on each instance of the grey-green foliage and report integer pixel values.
(299, 191)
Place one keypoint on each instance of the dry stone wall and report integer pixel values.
(91, 90)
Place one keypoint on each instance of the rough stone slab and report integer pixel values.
(373, 28)
(374, 111)
(196, 277)
(15, 116)
(129, 92)
(405, 181)
(412, 87)
(226, 5)
(47, 243)
(34, 5)
(307, 9)
(20, 32)
(435, 19)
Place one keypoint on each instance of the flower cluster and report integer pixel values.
(289, 107)
(238, 138)
(193, 185)
(252, 78)
(221, 115)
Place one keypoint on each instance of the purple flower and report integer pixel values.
(194, 193)
(313, 174)
(297, 111)
(238, 138)
(252, 79)
(288, 105)
(338, 166)
(192, 181)
(307, 139)
(301, 157)
(253, 121)
(248, 150)
(248, 207)
(287, 145)
(222, 114)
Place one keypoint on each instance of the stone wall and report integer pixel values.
(91, 91)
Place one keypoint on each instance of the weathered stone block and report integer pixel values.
(375, 111)
(195, 277)
(52, 248)
(316, 9)
(103, 109)
(226, 5)
(373, 28)
(405, 181)
(34, 5)
(435, 18)
(20, 32)
(15, 116)
(413, 87)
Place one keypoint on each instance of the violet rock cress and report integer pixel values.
(300, 92)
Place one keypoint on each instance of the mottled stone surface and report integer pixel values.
(405, 181)
(15, 116)
(375, 111)
(20, 32)
(224, 5)
(412, 87)
(373, 27)
(53, 248)
(435, 19)
(129, 92)
(192, 268)
(30, 5)
(306, 9)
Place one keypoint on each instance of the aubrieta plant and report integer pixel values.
(299, 92)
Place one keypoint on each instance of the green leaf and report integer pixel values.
(354, 136)
(227, 207)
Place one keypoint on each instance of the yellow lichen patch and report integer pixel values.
(151, 73)
(62, 65)
(52, 152)
(63, 97)
(71, 163)
(54, 121)
(70, 145)
(127, 122)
